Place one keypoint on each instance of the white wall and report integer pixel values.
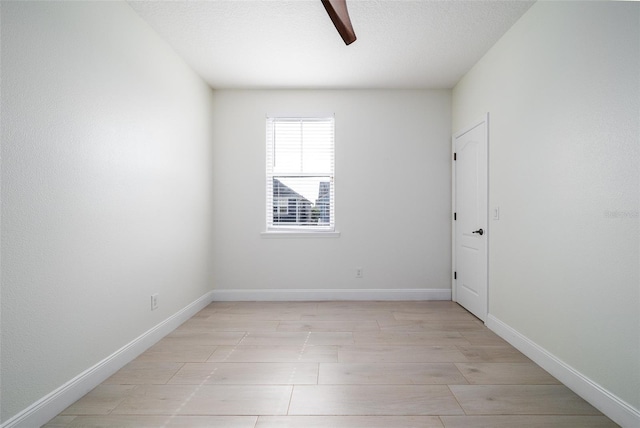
(563, 91)
(105, 189)
(392, 193)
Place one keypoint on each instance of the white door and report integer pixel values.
(470, 225)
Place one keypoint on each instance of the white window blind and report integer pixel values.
(300, 165)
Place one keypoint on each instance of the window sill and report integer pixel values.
(279, 234)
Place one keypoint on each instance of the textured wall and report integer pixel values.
(393, 192)
(563, 93)
(105, 189)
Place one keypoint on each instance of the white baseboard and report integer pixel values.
(612, 406)
(282, 295)
(49, 406)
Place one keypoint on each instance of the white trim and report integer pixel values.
(612, 406)
(330, 294)
(309, 234)
(49, 406)
(320, 137)
(453, 222)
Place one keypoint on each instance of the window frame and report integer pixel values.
(296, 229)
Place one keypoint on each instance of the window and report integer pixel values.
(300, 163)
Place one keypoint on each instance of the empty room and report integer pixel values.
(306, 213)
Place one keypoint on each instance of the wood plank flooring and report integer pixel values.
(331, 364)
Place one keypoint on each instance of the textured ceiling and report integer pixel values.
(293, 43)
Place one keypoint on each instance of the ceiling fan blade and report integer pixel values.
(337, 10)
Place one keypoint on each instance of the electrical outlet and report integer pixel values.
(154, 302)
(359, 272)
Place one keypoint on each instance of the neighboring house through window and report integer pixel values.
(300, 166)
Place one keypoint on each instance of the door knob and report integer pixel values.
(479, 232)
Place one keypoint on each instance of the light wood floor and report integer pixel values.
(332, 364)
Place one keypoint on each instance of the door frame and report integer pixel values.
(485, 119)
